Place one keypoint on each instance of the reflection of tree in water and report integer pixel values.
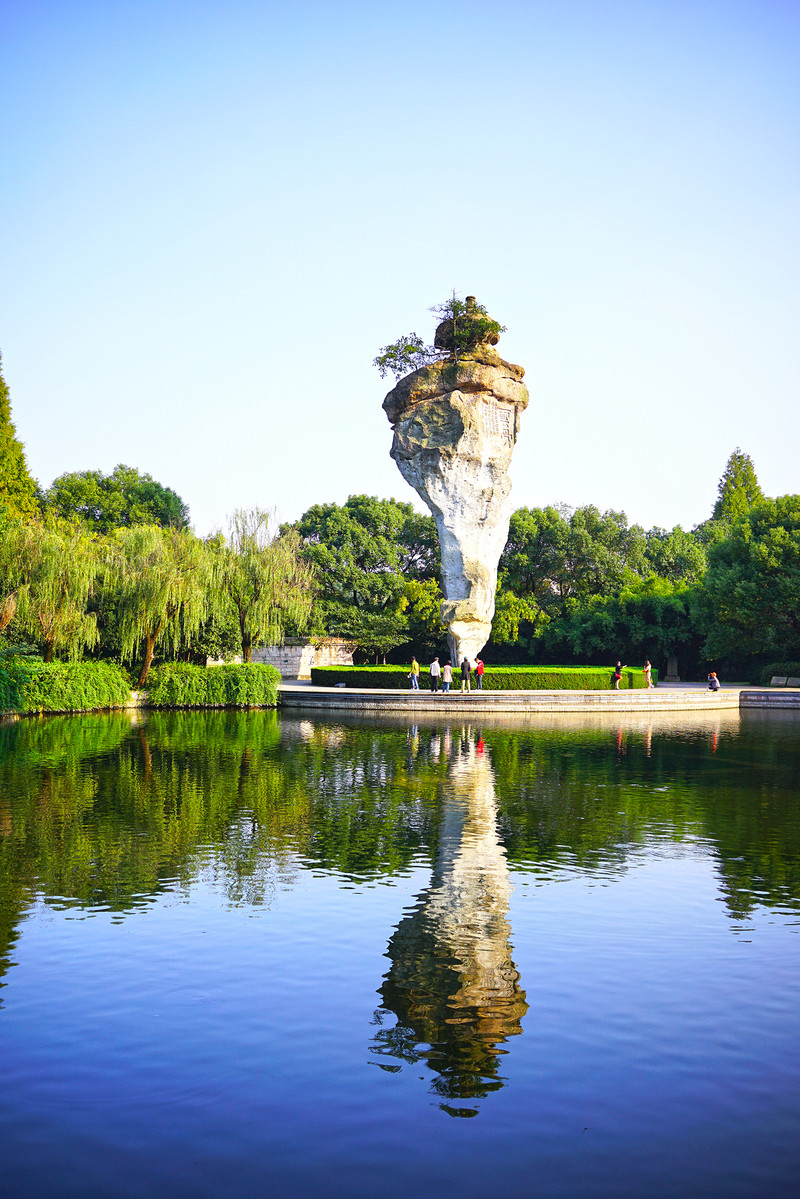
(452, 984)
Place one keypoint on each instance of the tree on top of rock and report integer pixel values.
(738, 488)
(464, 326)
(17, 488)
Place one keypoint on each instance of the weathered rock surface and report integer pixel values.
(455, 427)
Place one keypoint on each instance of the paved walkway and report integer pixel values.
(670, 698)
(666, 697)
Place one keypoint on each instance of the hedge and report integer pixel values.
(179, 685)
(495, 678)
(30, 685)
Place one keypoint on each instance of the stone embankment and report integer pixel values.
(363, 700)
(641, 702)
(774, 698)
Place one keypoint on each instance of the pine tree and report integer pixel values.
(17, 488)
(738, 488)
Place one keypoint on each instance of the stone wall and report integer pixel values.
(295, 658)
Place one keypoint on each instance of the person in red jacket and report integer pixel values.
(479, 674)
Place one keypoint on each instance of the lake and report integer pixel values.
(250, 954)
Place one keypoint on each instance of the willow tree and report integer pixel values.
(162, 582)
(17, 544)
(59, 562)
(265, 579)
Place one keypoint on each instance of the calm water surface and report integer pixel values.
(244, 955)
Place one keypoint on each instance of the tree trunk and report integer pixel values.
(48, 651)
(149, 649)
(247, 640)
(8, 610)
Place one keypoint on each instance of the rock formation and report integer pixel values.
(455, 425)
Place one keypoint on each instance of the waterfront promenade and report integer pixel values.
(667, 697)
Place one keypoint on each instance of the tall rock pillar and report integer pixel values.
(455, 426)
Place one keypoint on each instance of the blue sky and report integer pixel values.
(213, 215)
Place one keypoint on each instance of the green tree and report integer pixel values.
(375, 634)
(265, 579)
(60, 569)
(119, 500)
(421, 605)
(556, 554)
(17, 548)
(363, 552)
(17, 488)
(514, 616)
(738, 489)
(163, 582)
(463, 326)
(675, 555)
(751, 590)
(651, 620)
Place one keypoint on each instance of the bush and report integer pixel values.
(178, 685)
(10, 688)
(30, 685)
(789, 670)
(495, 678)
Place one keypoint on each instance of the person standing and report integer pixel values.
(436, 671)
(647, 670)
(447, 676)
(618, 669)
(414, 675)
(479, 674)
(466, 673)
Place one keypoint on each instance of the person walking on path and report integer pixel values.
(618, 669)
(414, 675)
(647, 669)
(436, 671)
(447, 676)
(478, 674)
(466, 672)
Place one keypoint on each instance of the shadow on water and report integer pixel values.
(452, 984)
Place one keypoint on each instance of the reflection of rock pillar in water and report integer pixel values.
(455, 425)
(452, 983)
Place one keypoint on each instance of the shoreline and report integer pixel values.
(294, 696)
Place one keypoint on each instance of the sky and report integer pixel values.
(213, 215)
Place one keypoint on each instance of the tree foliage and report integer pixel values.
(751, 591)
(555, 554)
(463, 325)
(650, 621)
(122, 499)
(163, 583)
(675, 555)
(17, 548)
(60, 569)
(265, 579)
(364, 552)
(738, 489)
(18, 492)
